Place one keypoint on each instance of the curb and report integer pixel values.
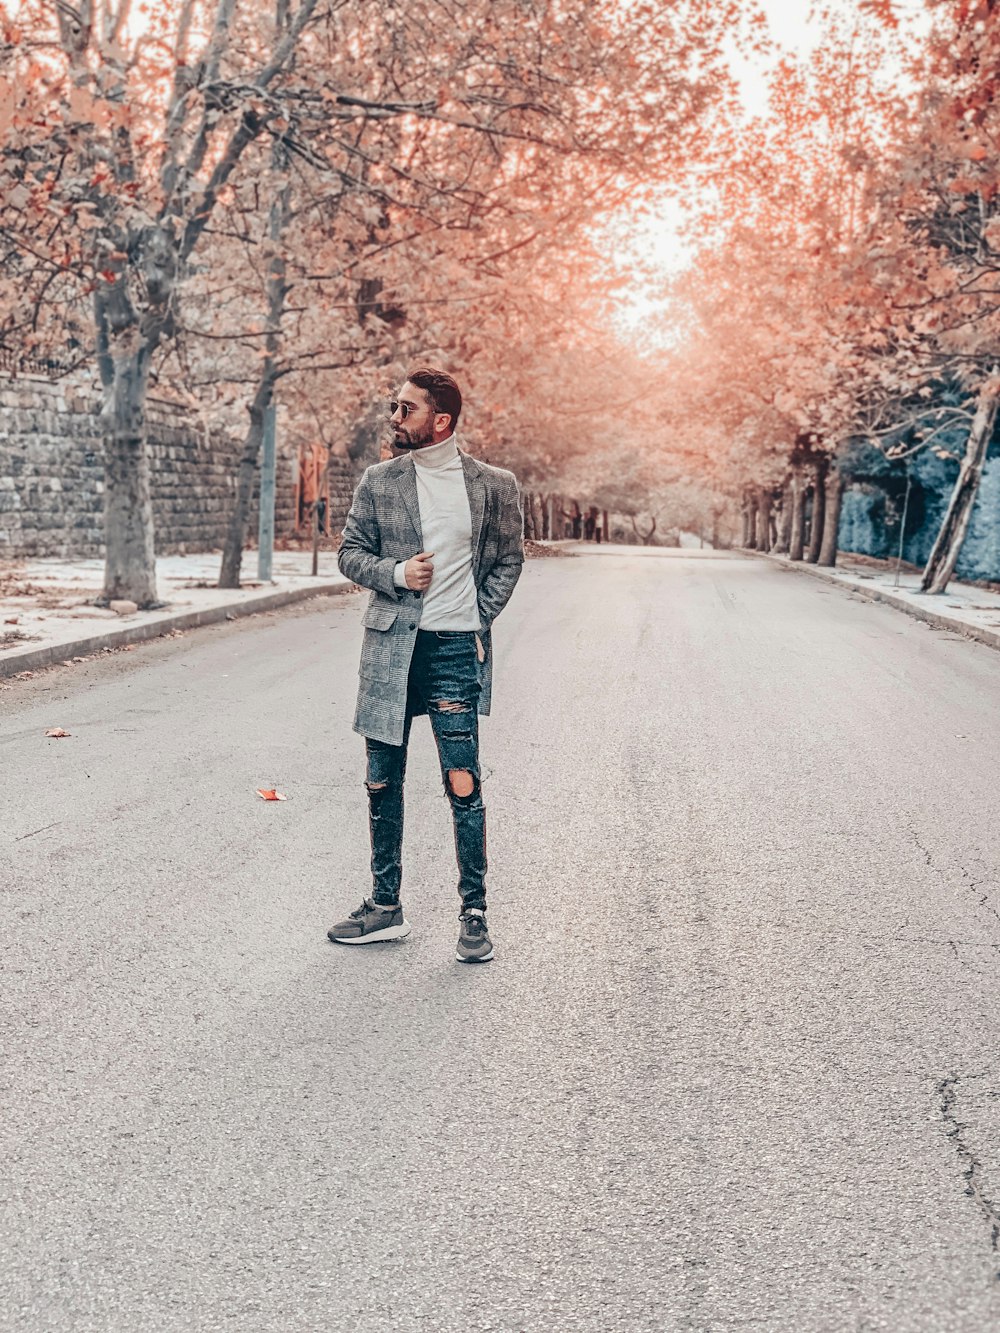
(939, 620)
(33, 659)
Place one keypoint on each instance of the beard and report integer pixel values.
(404, 439)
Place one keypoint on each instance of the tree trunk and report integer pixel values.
(764, 499)
(750, 519)
(277, 289)
(130, 558)
(605, 530)
(236, 535)
(818, 513)
(784, 536)
(831, 525)
(796, 536)
(647, 537)
(948, 546)
(553, 511)
(321, 509)
(538, 516)
(528, 510)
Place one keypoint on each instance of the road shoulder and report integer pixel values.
(963, 609)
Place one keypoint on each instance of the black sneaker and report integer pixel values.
(474, 945)
(369, 924)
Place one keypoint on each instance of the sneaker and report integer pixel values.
(369, 924)
(474, 945)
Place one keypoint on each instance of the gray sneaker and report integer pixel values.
(369, 924)
(474, 945)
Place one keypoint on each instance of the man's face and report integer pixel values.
(414, 418)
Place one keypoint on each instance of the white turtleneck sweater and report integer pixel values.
(446, 522)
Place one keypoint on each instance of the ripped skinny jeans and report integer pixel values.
(444, 681)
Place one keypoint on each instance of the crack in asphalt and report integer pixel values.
(970, 882)
(950, 944)
(972, 1167)
(916, 838)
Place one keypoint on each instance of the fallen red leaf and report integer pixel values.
(269, 794)
(57, 732)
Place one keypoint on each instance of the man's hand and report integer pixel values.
(418, 571)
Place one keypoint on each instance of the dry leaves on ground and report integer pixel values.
(11, 637)
(541, 550)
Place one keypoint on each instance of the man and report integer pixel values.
(437, 536)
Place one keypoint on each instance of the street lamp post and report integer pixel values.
(902, 526)
(265, 529)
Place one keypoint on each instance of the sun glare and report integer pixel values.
(650, 248)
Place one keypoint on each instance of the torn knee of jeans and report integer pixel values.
(375, 787)
(449, 706)
(463, 786)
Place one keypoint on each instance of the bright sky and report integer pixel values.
(658, 237)
(794, 31)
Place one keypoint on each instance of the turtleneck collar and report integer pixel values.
(436, 455)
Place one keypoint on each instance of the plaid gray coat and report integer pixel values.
(383, 528)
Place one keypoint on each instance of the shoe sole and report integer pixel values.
(374, 937)
(474, 957)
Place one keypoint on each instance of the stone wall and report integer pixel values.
(52, 475)
(874, 502)
(343, 480)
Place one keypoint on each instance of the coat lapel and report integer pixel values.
(476, 490)
(408, 491)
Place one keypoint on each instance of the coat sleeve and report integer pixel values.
(360, 557)
(497, 586)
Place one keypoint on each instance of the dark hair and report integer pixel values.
(441, 389)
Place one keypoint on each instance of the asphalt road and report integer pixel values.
(735, 1064)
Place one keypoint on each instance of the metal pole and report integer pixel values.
(902, 526)
(265, 528)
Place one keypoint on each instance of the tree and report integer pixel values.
(122, 147)
(872, 311)
(116, 155)
(771, 359)
(934, 257)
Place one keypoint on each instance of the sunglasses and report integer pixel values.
(404, 408)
